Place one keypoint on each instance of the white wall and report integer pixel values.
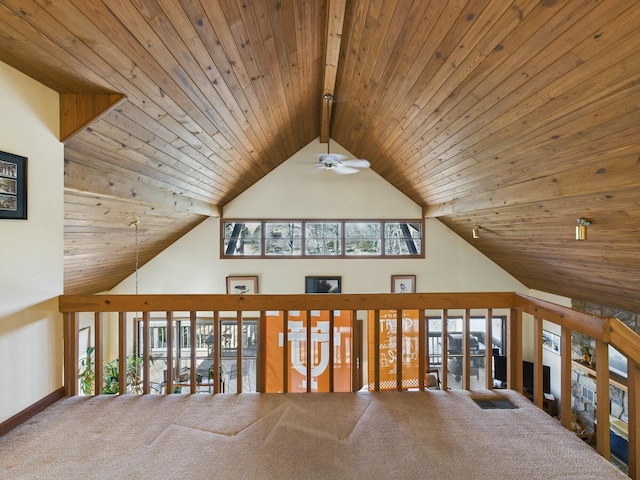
(31, 270)
(296, 190)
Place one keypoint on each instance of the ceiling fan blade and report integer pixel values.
(342, 170)
(359, 163)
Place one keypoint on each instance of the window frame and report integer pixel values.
(342, 250)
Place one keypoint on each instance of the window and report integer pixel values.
(321, 238)
(362, 238)
(242, 239)
(401, 238)
(283, 238)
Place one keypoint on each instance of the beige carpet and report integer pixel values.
(409, 435)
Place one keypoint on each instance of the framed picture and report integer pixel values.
(323, 284)
(13, 186)
(242, 285)
(403, 284)
(551, 342)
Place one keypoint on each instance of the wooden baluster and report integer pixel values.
(376, 350)
(146, 354)
(445, 350)
(122, 353)
(488, 347)
(331, 348)
(285, 351)
(466, 351)
(217, 346)
(170, 366)
(399, 349)
(423, 350)
(356, 351)
(192, 353)
(309, 352)
(239, 352)
(565, 377)
(98, 353)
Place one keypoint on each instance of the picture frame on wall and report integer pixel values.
(13, 186)
(242, 285)
(551, 342)
(403, 284)
(323, 284)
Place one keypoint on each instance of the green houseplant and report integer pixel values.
(111, 375)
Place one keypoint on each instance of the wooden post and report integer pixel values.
(538, 382)
(261, 369)
(633, 377)
(514, 351)
(71, 358)
(603, 433)
(565, 378)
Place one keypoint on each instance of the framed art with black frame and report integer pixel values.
(322, 284)
(13, 186)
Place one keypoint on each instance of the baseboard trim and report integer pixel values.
(27, 413)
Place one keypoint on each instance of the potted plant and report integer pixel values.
(111, 375)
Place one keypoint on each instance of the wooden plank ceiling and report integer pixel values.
(517, 116)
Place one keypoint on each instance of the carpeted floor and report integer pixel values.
(388, 435)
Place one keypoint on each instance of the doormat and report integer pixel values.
(494, 403)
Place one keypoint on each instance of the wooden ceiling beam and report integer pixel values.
(335, 21)
(78, 110)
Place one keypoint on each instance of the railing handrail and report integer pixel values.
(625, 340)
(263, 302)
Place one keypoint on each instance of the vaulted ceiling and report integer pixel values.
(517, 116)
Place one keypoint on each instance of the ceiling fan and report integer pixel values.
(337, 162)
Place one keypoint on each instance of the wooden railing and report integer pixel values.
(605, 331)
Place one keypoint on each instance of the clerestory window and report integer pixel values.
(322, 238)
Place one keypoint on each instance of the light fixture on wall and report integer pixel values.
(581, 229)
(476, 231)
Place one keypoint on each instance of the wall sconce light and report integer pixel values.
(476, 231)
(581, 229)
